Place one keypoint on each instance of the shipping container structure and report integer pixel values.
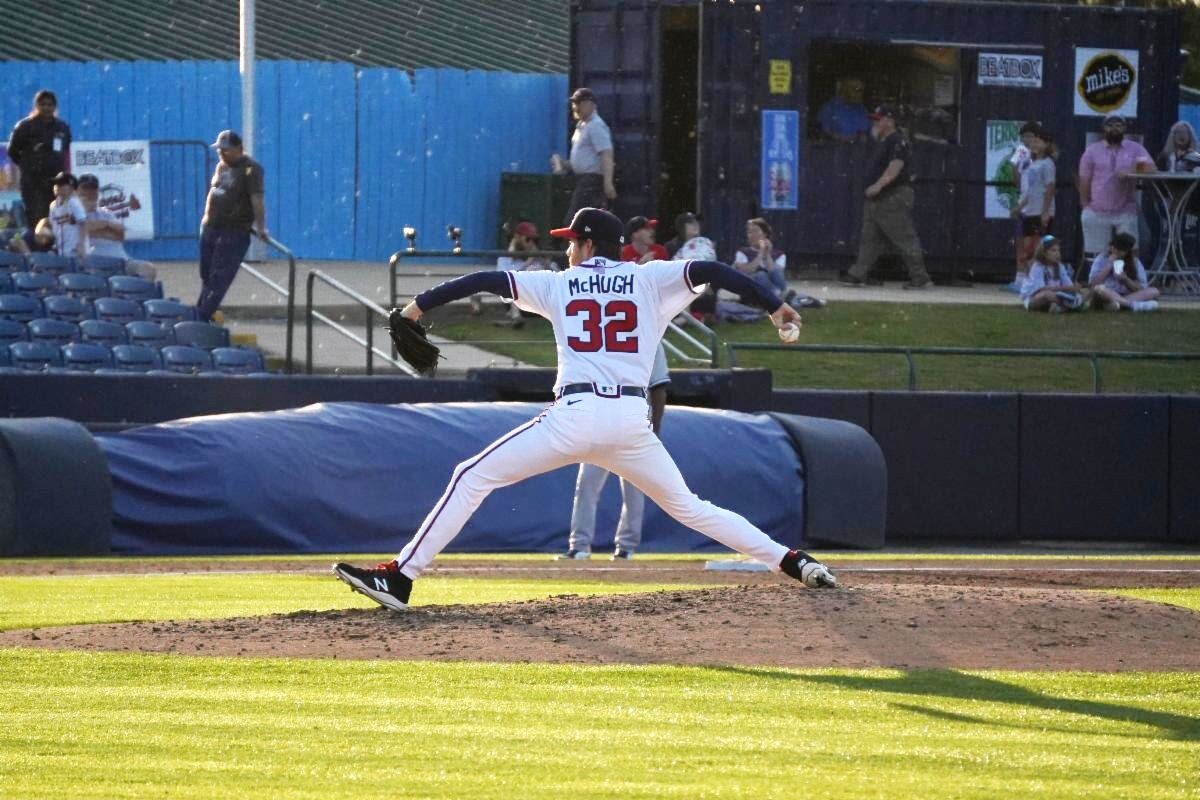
(685, 87)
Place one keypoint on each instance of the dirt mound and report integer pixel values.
(873, 625)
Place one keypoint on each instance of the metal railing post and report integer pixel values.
(912, 371)
(291, 313)
(1097, 383)
(308, 326)
(370, 344)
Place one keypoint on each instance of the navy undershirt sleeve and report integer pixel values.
(729, 279)
(491, 281)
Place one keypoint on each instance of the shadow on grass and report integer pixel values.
(953, 684)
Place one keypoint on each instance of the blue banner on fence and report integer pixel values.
(780, 159)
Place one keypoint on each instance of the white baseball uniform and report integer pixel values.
(608, 320)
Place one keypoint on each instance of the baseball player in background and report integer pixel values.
(608, 318)
(591, 480)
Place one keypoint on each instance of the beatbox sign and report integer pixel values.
(123, 169)
(1105, 82)
(1010, 69)
(780, 169)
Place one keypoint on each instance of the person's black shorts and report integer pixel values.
(1032, 226)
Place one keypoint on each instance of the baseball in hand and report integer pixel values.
(789, 333)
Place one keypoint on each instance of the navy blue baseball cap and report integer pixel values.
(226, 140)
(595, 224)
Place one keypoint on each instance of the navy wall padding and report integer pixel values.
(1185, 470)
(849, 406)
(952, 464)
(1094, 467)
(845, 481)
(359, 477)
(159, 398)
(55, 496)
(735, 389)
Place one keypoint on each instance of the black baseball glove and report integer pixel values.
(412, 343)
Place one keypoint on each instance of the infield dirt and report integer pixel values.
(944, 614)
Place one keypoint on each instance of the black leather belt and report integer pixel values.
(603, 391)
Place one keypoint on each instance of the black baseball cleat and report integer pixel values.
(622, 555)
(806, 569)
(385, 584)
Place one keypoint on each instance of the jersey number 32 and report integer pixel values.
(608, 329)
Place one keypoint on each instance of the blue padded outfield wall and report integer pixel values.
(357, 477)
(351, 155)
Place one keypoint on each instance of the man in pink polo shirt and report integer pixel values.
(1108, 199)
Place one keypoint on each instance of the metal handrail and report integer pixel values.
(1093, 356)
(289, 293)
(368, 305)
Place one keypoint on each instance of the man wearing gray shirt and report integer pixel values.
(591, 156)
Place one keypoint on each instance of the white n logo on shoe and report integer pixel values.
(381, 584)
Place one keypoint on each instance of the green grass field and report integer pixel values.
(106, 725)
(905, 324)
(116, 726)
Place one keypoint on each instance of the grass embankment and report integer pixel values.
(924, 325)
(132, 726)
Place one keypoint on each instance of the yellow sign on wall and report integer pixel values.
(780, 76)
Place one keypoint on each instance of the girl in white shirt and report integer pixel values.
(1118, 278)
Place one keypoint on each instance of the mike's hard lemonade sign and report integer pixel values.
(1105, 82)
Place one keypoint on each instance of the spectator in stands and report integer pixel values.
(591, 156)
(887, 219)
(641, 247)
(1118, 278)
(844, 117)
(235, 206)
(524, 240)
(687, 227)
(107, 233)
(1050, 285)
(1020, 159)
(1107, 196)
(1035, 205)
(39, 239)
(1180, 153)
(761, 260)
(40, 145)
(67, 218)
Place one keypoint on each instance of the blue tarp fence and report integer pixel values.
(355, 477)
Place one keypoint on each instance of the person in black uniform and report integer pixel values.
(39, 146)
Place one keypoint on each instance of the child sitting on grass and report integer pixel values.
(1118, 278)
(1049, 286)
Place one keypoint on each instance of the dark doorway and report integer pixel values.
(678, 134)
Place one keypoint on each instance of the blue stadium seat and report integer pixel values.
(114, 309)
(34, 284)
(50, 263)
(84, 357)
(53, 331)
(82, 285)
(20, 307)
(201, 334)
(186, 360)
(13, 262)
(129, 287)
(136, 358)
(98, 331)
(145, 332)
(12, 331)
(35, 356)
(69, 309)
(104, 266)
(237, 361)
(6, 284)
(168, 312)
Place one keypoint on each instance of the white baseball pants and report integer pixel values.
(610, 432)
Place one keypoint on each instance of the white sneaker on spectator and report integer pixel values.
(1145, 305)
